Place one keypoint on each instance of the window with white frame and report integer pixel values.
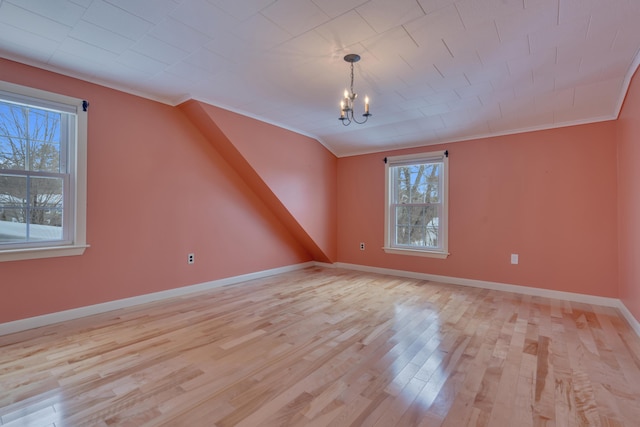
(42, 173)
(416, 212)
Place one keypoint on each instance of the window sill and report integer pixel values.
(415, 252)
(45, 252)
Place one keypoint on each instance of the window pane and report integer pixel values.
(402, 235)
(432, 182)
(45, 193)
(417, 183)
(29, 138)
(418, 214)
(417, 226)
(44, 157)
(13, 191)
(402, 184)
(420, 193)
(13, 227)
(44, 125)
(13, 134)
(403, 215)
(13, 119)
(13, 153)
(417, 179)
(417, 236)
(44, 230)
(13, 209)
(432, 226)
(44, 137)
(32, 215)
(45, 209)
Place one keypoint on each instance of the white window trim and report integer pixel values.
(79, 157)
(416, 158)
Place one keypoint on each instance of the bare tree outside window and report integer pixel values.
(43, 173)
(417, 204)
(32, 173)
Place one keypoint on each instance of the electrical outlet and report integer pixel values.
(362, 246)
(514, 258)
(191, 258)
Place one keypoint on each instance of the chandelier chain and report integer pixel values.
(352, 92)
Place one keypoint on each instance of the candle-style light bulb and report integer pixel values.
(366, 105)
(342, 109)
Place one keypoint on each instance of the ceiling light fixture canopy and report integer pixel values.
(347, 104)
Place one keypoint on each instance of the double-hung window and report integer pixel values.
(416, 214)
(42, 173)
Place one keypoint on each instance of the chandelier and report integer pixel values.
(347, 104)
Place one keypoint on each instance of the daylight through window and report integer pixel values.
(42, 140)
(416, 208)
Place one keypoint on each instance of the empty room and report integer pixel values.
(319, 213)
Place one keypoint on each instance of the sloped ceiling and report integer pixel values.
(435, 70)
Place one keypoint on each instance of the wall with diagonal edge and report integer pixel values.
(157, 190)
(294, 175)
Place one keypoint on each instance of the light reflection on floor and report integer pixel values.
(41, 413)
(421, 367)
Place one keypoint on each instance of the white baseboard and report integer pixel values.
(76, 313)
(63, 316)
(633, 322)
(526, 290)
(324, 264)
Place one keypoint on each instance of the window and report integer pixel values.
(42, 174)
(416, 204)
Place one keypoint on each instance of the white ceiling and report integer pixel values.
(435, 70)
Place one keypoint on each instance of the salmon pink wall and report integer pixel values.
(294, 174)
(628, 126)
(157, 190)
(549, 196)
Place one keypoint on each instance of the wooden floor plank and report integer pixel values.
(329, 347)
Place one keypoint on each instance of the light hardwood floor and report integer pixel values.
(325, 347)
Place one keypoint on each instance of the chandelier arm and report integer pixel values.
(366, 117)
(350, 117)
